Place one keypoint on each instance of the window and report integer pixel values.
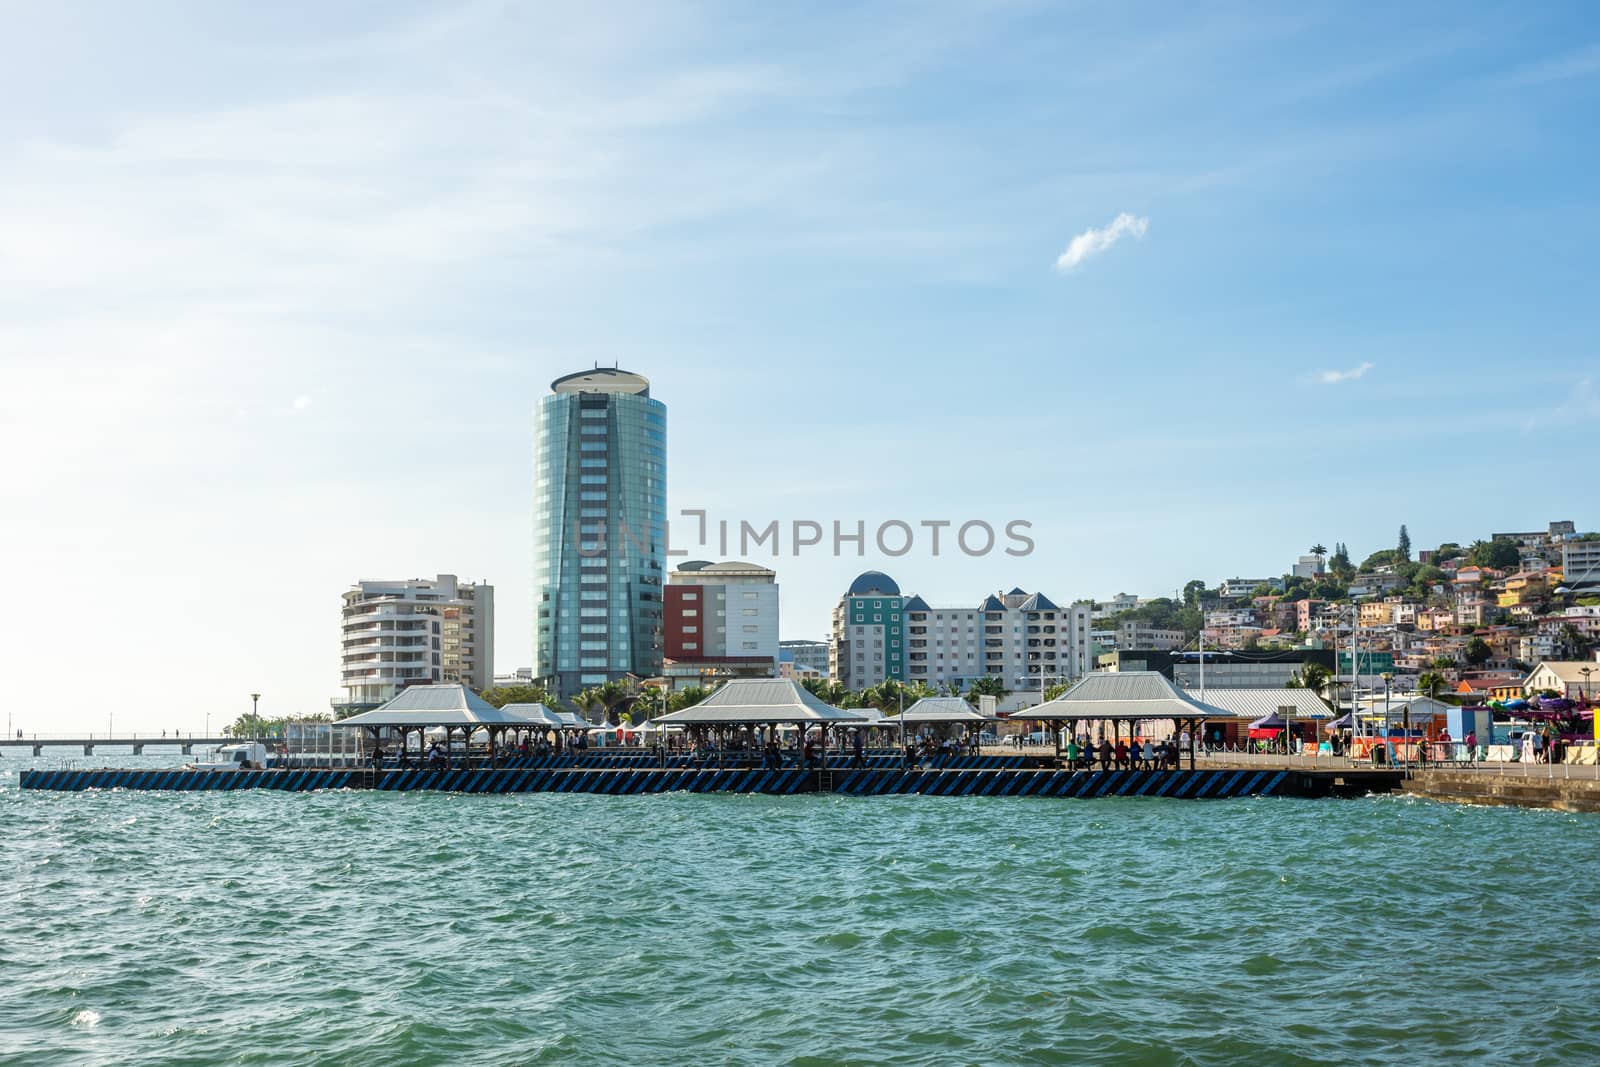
(690, 594)
(894, 616)
(690, 646)
(592, 479)
(749, 645)
(877, 618)
(592, 446)
(691, 612)
(752, 629)
(592, 462)
(751, 611)
(691, 629)
(751, 595)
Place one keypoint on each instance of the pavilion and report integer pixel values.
(452, 708)
(770, 702)
(941, 711)
(1123, 699)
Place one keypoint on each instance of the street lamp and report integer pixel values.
(1585, 671)
(1388, 678)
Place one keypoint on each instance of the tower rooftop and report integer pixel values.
(602, 380)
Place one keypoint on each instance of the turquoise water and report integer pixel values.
(368, 929)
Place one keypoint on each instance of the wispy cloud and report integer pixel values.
(1576, 64)
(1093, 241)
(1334, 377)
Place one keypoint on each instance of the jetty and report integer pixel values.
(640, 773)
(138, 743)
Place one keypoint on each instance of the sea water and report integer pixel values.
(374, 929)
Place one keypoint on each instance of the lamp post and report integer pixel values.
(1585, 671)
(1388, 678)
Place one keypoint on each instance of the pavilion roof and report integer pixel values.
(760, 700)
(440, 705)
(942, 709)
(1121, 695)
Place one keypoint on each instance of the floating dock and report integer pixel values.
(616, 775)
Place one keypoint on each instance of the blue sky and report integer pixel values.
(280, 285)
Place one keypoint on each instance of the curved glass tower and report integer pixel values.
(599, 518)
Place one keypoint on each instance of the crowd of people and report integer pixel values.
(1122, 753)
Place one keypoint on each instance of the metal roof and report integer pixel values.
(760, 700)
(440, 705)
(537, 713)
(1121, 695)
(942, 709)
(1254, 703)
(602, 380)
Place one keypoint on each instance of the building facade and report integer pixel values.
(809, 657)
(599, 537)
(868, 645)
(1580, 565)
(1024, 639)
(1136, 635)
(720, 620)
(400, 633)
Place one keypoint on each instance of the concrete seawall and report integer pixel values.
(1519, 790)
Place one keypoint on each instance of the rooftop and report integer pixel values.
(602, 380)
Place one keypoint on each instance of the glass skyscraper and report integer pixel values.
(599, 533)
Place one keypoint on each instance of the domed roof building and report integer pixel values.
(870, 582)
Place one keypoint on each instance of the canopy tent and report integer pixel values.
(1343, 722)
(759, 701)
(942, 710)
(1267, 727)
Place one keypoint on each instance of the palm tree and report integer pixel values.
(585, 701)
(688, 698)
(1318, 679)
(612, 696)
(649, 703)
(987, 686)
(1319, 550)
(1431, 683)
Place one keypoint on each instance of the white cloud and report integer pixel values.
(1334, 377)
(1092, 241)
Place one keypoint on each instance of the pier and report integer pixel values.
(88, 743)
(1008, 776)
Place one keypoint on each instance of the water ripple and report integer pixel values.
(425, 929)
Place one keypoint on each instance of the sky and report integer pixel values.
(1187, 288)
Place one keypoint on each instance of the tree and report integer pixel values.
(1446, 552)
(1477, 651)
(502, 695)
(688, 697)
(584, 702)
(1340, 563)
(1384, 557)
(1403, 548)
(1431, 683)
(1193, 589)
(650, 702)
(1056, 690)
(1320, 550)
(1500, 553)
(987, 686)
(1318, 679)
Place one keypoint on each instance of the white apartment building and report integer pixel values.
(1308, 567)
(1142, 636)
(1580, 565)
(722, 616)
(1231, 617)
(397, 633)
(1026, 640)
(1233, 588)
